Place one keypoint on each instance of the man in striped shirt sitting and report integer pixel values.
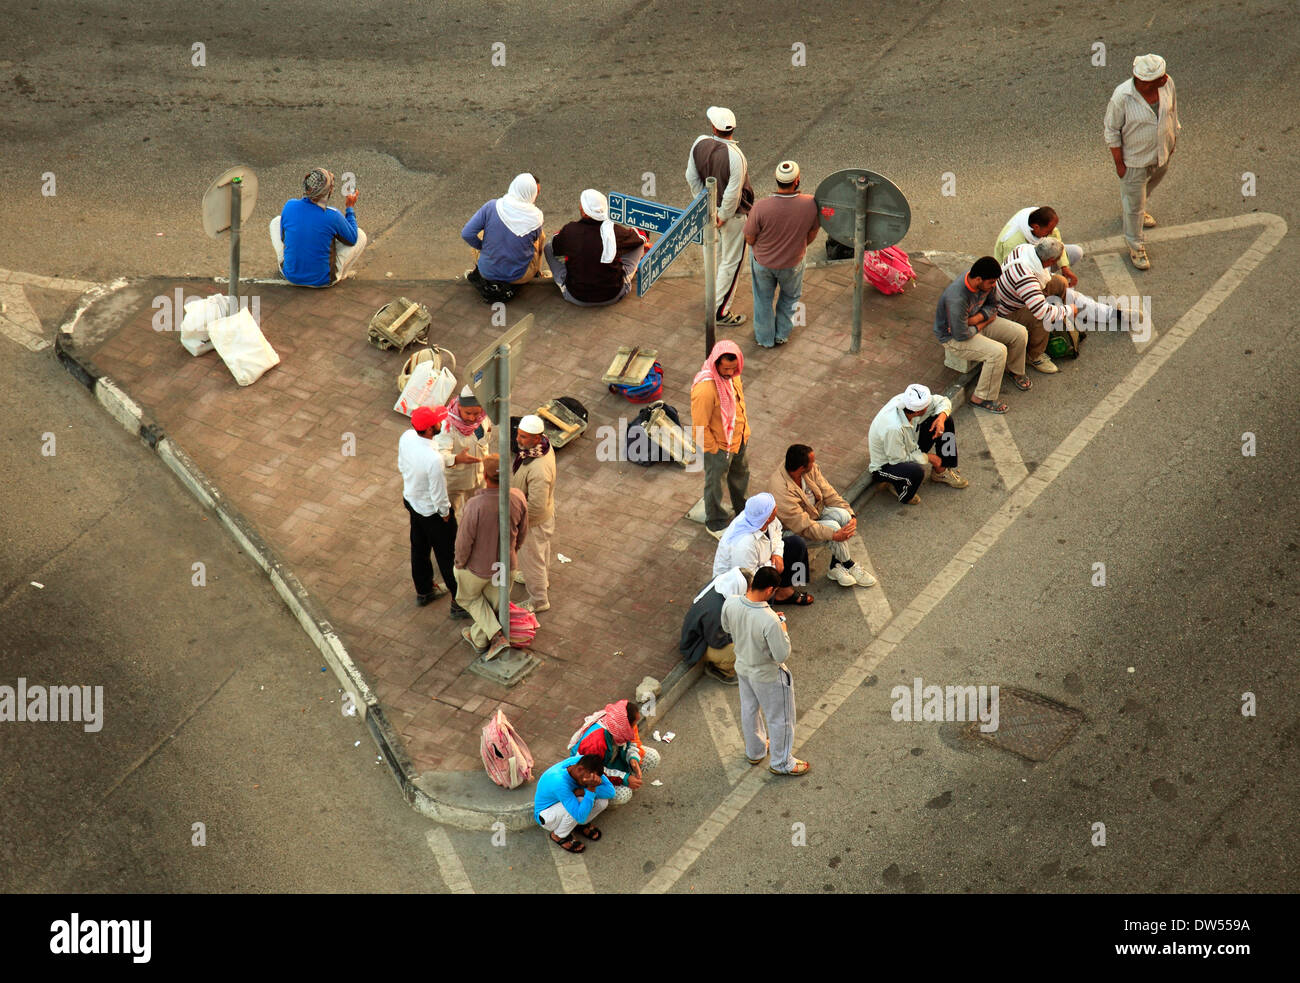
(1043, 302)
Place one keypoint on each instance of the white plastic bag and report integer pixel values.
(199, 315)
(243, 347)
(430, 384)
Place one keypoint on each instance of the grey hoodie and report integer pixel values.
(761, 642)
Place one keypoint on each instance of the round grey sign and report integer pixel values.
(888, 214)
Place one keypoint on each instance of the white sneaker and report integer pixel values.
(863, 578)
(1044, 364)
(519, 577)
(843, 576)
(536, 607)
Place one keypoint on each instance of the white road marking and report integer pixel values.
(1006, 455)
(453, 872)
(1120, 283)
(572, 869)
(1021, 499)
(872, 600)
(18, 321)
(727, 738)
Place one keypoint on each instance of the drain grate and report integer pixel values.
(1029, 725)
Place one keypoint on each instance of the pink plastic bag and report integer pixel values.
(523, 627)
(506, 757)
(887, 269)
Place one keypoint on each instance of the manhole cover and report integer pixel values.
(1029, 725)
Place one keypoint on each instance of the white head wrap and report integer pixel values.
(1148, 67)
(516, 209)
(728, 584)
(758, 509)
(916, 397)
(596, 206)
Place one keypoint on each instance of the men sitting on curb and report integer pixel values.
(477, 544)
(594, 260)
(612, 734)
(766, 686)
(754, 539)
(1031, 225)
(808, 506)
(1023, 290)
(702, 634)
(570, 795)
(506, 235)
(903, 438)
(306, 235)
(966, 324)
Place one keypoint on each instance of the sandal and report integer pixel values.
(988, 405)
(800, 598)
(590, 832)
(1022, 382)
(569, 844)
(800, 768)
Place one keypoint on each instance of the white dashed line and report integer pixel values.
(1006, 455)
(452, 870)
(572, 869)
(727, 739)
(1119, 282)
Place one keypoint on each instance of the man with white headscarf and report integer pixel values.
(903, 438)
(756, 539)
(1141, 129)
(307, 233)
(507, 235)
(594, 260)
(702, 634)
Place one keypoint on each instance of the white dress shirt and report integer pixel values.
(424, 485)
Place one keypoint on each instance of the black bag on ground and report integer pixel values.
(492, 291)
(638, 448)
(838, 250)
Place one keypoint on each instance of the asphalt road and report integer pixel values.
(1199, 542)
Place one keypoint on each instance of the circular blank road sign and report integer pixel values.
(216, 200)
(888, 214)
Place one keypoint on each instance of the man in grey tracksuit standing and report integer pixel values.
(762, 645)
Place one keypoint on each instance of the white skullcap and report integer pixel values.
(916, 397)
(531, 424)
(722, 119)
(1148, 67)
(466, 391)
(787, 172)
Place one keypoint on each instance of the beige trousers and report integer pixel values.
(1001, 347)
(1038, 334)
(476, 595)
(723, 658)
(535, 560)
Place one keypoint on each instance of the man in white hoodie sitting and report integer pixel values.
(904, 437)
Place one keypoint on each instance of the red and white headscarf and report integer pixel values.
(726, 390)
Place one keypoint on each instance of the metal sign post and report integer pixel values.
(861, 185)
(503, 493)
(869, 209)
(710, 265)
(236, 207)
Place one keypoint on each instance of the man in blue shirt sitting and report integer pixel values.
(306, 235)
(570, 795)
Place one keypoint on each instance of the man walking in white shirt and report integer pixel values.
(424, 493)
(1141, 129)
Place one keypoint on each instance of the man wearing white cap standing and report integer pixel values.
(463, 443)
(1141, 129)
(533, 473)
(904, 437)
(780, 228)
(717, 156)
(593, 259)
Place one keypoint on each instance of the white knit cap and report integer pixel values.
(531, 424)
(787, 172)
(916, 397)
(1148, 67)
(722, 119)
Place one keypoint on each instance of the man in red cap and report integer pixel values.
(424, 493)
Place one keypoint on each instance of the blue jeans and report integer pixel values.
(767, 331)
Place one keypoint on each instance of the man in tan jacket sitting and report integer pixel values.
(808, 506)
(534, 475)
